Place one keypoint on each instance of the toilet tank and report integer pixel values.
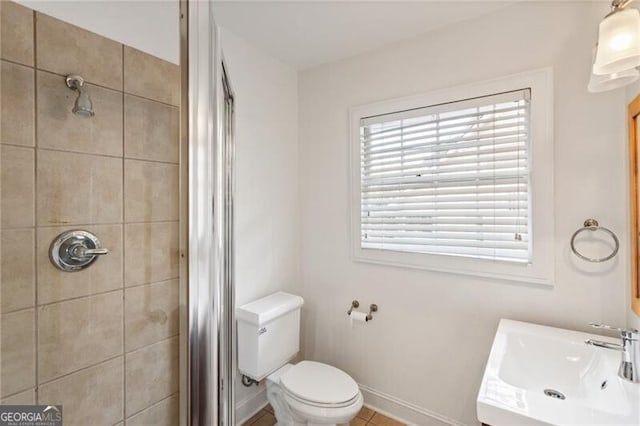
(268, 333)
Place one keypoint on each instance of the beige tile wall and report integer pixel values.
(103, 340)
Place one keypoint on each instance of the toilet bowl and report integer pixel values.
(312, 393)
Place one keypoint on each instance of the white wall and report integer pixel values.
(152, 26)
(267, 202)
(428, 344)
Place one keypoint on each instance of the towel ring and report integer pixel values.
(593, 225)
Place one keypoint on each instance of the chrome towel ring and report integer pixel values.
(593, 225)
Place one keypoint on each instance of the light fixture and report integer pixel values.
(603, 83)
(606, 82)
(618, 40)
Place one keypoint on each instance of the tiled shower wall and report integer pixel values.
(104, 341)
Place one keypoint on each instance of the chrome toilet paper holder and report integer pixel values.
(372, 308)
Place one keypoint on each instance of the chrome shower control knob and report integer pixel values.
(73, 251)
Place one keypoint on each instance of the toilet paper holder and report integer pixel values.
(372, 308)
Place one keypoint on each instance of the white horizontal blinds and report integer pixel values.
(449, 179)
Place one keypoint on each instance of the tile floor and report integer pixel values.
(366, 417)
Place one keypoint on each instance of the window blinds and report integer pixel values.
(450, 179)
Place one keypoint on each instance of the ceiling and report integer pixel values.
(308, 33)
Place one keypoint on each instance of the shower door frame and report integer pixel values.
(207, 352)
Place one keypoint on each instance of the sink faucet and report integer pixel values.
(630, 348)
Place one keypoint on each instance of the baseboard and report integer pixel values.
(388, 405)
(249, 407)
(403, 411)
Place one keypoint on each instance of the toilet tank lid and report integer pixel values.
(264, 310)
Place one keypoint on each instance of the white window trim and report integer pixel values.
(541, 269)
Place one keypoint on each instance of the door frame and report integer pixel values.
(207, 351)
(633, 116)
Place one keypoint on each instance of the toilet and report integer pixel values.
(307, 393)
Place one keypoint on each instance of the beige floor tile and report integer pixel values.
(151, 252)
(151, 77)
(59, 128)
(150, 191)
(152, 375)
(255, 417)
(366, 413)
(78, 333)
(164, 413)
(267, 420)
(18, 351)
(18, 186)
(104, 275)
(17, 101)
(381, 420)
(358, 422)
(66, 49)
(89, 397)
(151, 130)
(150, 314)
(18, 277)
(16, 33)
(78, 189)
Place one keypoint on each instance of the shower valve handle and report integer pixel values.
(75, 250)
(81, 251)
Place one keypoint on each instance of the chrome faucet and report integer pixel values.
(630, 348)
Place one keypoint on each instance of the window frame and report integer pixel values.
(541, 269)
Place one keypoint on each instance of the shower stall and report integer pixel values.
(116, 184)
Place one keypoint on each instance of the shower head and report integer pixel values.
(83, 105)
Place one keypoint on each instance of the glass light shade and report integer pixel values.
(603, 83)
(618, 42)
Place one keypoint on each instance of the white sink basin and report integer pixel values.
(527, 359)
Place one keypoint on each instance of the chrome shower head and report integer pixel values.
(83, 105)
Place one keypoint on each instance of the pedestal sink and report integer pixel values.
(539, 375)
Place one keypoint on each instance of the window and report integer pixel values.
(446, 180)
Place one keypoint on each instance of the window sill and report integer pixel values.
(524, 274)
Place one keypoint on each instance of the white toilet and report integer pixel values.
(307, 393)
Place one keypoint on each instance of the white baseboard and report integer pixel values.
(403, 411)
(388, 405)
(249, 407)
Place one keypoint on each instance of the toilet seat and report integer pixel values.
(308, 414)
(319, 385)
(290, 396)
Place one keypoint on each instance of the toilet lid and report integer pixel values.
(319, 383)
